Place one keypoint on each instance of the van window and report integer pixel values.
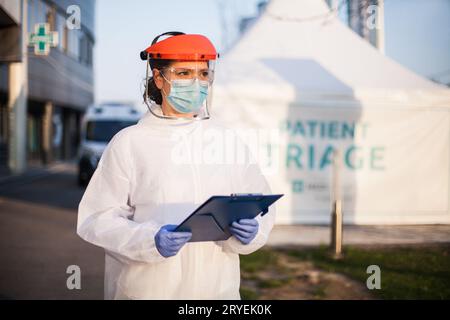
(104, 130)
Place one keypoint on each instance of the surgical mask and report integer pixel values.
(187, 96)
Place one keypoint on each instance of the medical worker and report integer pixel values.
(152, 175)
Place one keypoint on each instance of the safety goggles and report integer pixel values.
(188, 75)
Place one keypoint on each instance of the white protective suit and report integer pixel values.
(139, 187)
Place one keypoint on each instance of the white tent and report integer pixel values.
(310, 85)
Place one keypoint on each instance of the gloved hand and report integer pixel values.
(169, 242)
(245, 230)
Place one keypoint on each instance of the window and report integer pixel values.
(104, 130)
(50, 17)
(60, 28)
(90, 53)
(86, 49)
(40, 12)
(83, 48)
(31, 15)
(73, 43)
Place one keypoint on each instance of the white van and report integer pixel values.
(100, 123)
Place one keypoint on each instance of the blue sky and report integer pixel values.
(417, 35)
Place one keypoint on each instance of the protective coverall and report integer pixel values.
(139, 186)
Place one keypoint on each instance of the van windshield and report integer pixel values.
(104, 130)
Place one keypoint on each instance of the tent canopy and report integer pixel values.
(298, 69)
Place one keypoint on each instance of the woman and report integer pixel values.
(154, 174)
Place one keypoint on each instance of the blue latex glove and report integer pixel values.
(245, 230)
(169, 242)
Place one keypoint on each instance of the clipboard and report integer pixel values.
(211, 220)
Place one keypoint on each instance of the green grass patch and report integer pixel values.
(259, 260)
(319, 292)
(406, 272)
(248, 294)
(256, 267)
(273, 283)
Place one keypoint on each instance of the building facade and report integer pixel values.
(58, 87)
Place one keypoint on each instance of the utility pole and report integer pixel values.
(336, 203)
(17, 100)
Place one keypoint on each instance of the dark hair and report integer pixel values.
(152, 90)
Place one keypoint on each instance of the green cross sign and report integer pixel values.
(42, 39)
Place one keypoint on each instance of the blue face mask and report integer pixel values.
(186, 97)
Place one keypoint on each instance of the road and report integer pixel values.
(38, 241)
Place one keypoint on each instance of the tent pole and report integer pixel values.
(336, 212)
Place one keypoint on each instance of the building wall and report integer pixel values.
(66, 75)
(11, 9)
(60, 85)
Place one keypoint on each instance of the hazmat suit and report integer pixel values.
(152, 174)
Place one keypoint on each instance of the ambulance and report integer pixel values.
(99, 124)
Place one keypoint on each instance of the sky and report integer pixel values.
(417, 34)
(125, 28)
(418, 37)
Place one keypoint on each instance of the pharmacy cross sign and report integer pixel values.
(42, 39)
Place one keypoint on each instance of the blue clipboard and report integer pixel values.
(211, 221)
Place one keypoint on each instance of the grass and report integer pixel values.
(259, 260)
(251, 267)
(406, 272)
(319, 292)
(412, 272)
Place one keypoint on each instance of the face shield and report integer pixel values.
(184, 68)
(187, 89)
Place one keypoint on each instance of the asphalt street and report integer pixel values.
(39, 241)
